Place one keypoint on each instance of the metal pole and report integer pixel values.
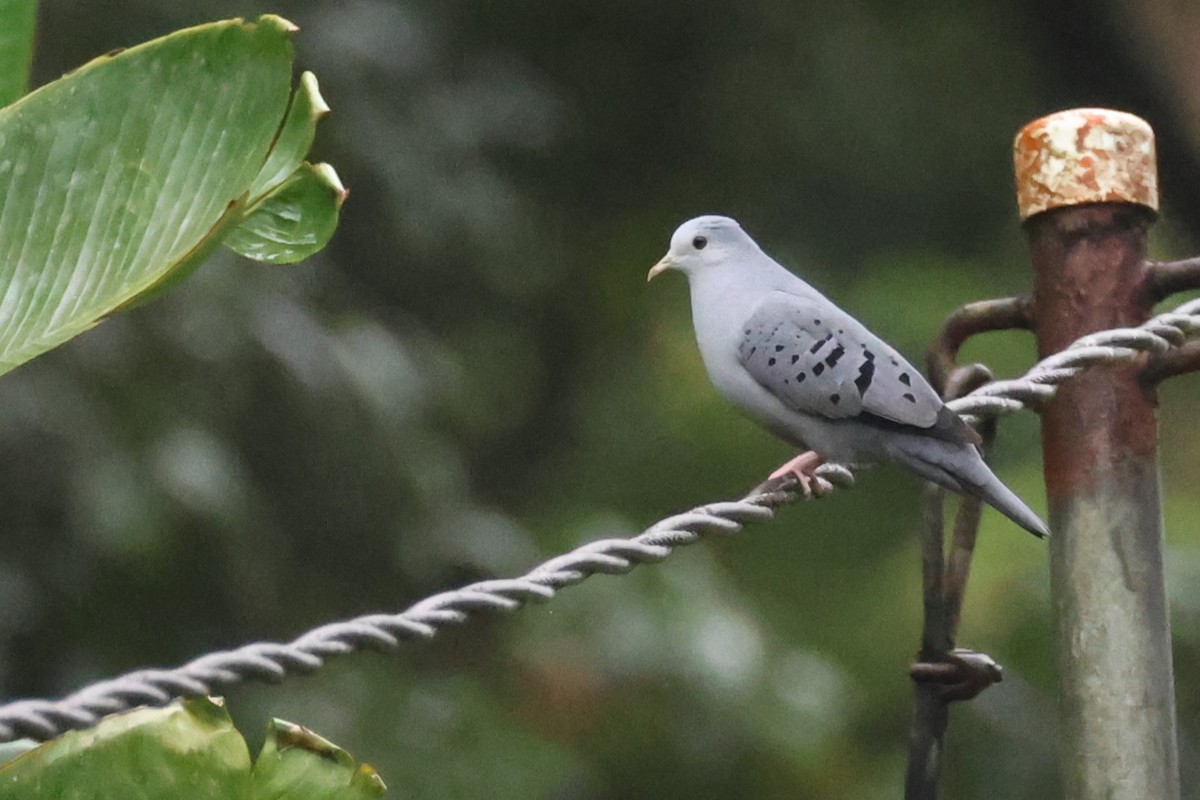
(944, 673)
(1087, 188)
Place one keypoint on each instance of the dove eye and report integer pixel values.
(699, 242)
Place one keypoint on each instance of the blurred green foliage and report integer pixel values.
(473, 375)
(17, 20)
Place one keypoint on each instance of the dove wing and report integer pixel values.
(817, 359)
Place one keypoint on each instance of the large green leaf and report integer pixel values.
(186, 751)
(124, 175)
(17, 21)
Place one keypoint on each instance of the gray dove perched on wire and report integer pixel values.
(814, 376)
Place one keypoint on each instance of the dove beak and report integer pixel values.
(664, 264)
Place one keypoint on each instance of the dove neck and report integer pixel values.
(724, 298)
(736, 284)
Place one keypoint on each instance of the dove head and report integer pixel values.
(705, 243)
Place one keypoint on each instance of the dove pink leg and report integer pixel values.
(801, 467)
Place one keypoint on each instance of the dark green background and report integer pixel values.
(474, 376)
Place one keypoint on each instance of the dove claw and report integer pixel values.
(802, 469)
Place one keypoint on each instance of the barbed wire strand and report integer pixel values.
(266, 661)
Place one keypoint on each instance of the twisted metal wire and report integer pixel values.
(1037, 386)
(266, 661)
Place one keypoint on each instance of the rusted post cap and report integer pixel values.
(1085, 155)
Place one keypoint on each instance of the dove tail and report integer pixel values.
(961, 469)
(1005, 500)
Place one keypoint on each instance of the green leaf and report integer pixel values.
(187, 750)
(295, 137)
(120, 178)
(297, 763)
(17, 21)
(295, 220)
(294, 205)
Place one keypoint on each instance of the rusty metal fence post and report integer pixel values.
(1087, 190)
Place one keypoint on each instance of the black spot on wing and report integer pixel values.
(800, 376)
(866, 373)
(835, 355)
(907, 381)
(795, 358)
(821, 343)
(818, 369)
(835, 398)
(909, 397)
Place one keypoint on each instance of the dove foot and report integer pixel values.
(802, 468)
